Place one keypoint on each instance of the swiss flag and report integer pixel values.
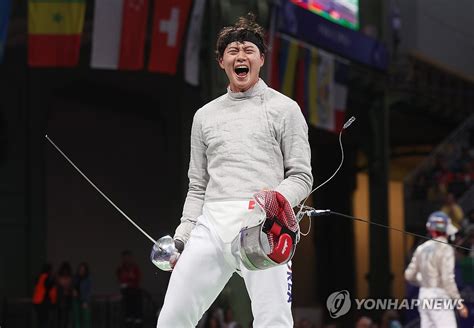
(169, 22)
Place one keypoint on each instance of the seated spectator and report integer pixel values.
(436, 192)
(453, 210)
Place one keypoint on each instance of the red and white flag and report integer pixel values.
(119, 30)
(169, 24)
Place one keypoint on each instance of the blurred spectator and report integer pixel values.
(304, 323)
(390, 319)
(468, 241)
(82, 295)
(212, 322)
(453, 210)
(440, 178)
(364, 322)
(215, 318)
(45, 296)
(128, 274)
(65, 290)
(229, 321)
(420, 187)
(331, 325)
(468, 220)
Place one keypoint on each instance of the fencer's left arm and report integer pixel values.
(296, 156)
(446, 266)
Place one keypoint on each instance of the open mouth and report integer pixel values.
(241, 70)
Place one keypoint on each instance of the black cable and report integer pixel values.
(399, 230)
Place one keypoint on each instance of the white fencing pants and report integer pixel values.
(434, 318)
(201, 273)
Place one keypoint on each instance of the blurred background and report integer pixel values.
(115, 85)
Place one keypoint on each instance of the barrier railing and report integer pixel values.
(106, 312)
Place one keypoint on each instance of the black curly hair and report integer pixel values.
(245, 29)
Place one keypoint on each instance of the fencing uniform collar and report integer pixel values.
(257, 90)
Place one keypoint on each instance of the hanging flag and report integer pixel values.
(118, 38)
(193, 44)
(54, 32)
(282, 60)
(341, 77)
(275, 63)
(290, 69)
(5, 9)
(325, 91)
(313, 87)
(301, 79)
(169, 23)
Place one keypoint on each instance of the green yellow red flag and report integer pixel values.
(54, 32)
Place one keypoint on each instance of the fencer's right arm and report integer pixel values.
(198, 179)
(411, 272)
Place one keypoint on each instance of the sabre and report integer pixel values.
(164, 253)
(100, 191)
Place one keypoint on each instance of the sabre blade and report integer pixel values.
(100, 191)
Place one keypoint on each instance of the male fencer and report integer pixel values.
(432, 268)
(250, 139)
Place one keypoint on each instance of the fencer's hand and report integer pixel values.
(179, 244)
(180, 247)
(463, 312)
(174, 260)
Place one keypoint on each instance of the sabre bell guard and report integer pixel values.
(270, 232)
(164, 253)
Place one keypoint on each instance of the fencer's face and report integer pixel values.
(242, 62)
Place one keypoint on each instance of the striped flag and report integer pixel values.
(301, 81)
(289, 72)
(315, 79)
(119, 31)
(312, 87)
(325, 91)
(169, 24)
(341, 78)
(193, 44)
(275, 64)
(54, 32)
(5, 9)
